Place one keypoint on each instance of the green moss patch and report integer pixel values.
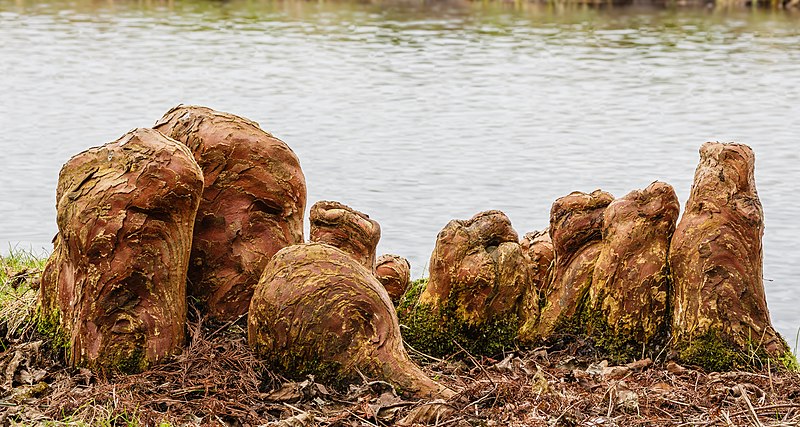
(299, 367)
(620, 347)
(714, 353)
(438, 331)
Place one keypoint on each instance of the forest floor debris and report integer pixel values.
(218, 381)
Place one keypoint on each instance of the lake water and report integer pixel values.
(417, 113)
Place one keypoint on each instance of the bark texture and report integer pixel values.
(716, 260)
(394, 273)
(576, 223)
(345, 228)
(473, 297)
(115, 285)
(538, 247)
(317, 310)
(628, 307)
(479, 268)
(252, 206)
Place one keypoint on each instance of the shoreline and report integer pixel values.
(217, 380)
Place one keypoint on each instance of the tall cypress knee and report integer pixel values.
(576, 223)
(538, 247)
(253, 204)
(627, 311)
(115, 285)
(720, 318)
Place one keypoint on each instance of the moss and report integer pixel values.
(129, 360)
(36, 390)
(299, 366)
(789, 362)
(49, 326)
(436, 330)
(713, 352)
(620, 347)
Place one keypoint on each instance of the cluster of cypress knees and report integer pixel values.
(206, 205)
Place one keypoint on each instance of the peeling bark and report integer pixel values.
(478, 268)
(115, 283)
(538, 247)
(345, 228)
(576, 222)
(716, 260)
(317, 310)
(252, 206)
(473, 297)
(394, 273)
(630, 285)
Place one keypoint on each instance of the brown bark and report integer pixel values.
(252, 206)
(630, 285)
(394, 273)
(478, 268)
(716, 258)
(538, 247)
(115, 283)
(317, 310)
(345, 228)
(576, 222)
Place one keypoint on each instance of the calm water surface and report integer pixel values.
(417, 114)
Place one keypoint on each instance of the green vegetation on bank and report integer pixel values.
(20, 272)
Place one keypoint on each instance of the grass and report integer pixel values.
(20, 273)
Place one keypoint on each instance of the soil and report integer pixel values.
(218, 381)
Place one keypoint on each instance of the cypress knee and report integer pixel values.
(115, 285)
(628, 305)
(252, 205)
(538, 247)
(347, 229)
(720, 316)
(576, 223)
(316, 310)
(394, 273)
(478, 276)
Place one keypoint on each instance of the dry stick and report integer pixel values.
(362, 419)
(485, 396)
(676, 402)
(727, 419)
(226, 325)
(768, 407)
(663, 349)
(555, 422)
(428, 356)
(610, 401)
(756, 422)
(475, 362)
(786, 417)
(450, 421)
(769, 371)
(494, 386)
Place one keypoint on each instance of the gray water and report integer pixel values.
(417, 113)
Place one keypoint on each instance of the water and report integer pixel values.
(413, 113)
